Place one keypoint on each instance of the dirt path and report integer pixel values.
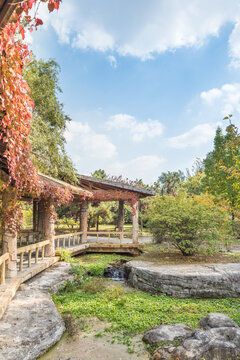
(87, 346)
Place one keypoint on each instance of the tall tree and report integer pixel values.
(222, 168)
(49, 121)
(170, 181)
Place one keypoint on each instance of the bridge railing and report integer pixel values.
(3, 260)
(29, 250)
(111, 236)
(67, 240)
(28, 237)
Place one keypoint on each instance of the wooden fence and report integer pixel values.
(71, 240)
(28, 237)
(29, 249)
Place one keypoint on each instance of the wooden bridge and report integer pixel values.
(32, 259)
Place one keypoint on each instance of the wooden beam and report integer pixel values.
(6, 10)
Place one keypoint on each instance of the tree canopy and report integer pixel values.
(49, 121)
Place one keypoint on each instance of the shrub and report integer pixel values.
(93, 285)
(115, 292)
(190, 224)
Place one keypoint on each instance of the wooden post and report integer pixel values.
(83, 220)
(9, 236)
(35, 215)
(135, 221)
(120, 215)
(46, 224)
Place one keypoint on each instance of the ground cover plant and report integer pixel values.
(128, 311)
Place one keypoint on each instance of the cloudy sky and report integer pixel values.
(146, 82)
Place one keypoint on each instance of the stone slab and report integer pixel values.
(31, 323)
(186, 281)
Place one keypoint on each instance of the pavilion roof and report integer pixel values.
(112, 189)
(6, 9)
(75, 190)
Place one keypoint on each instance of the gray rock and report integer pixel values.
(185, 281)
(167, 333)
(218, 343)
(31, 324)
(216, 320)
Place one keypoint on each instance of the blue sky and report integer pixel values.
(146, 83)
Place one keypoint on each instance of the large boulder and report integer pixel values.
(167, 333)
(220, 341)
(216, 320)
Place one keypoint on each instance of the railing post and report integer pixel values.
(3, 265)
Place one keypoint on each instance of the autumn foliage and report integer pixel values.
(16, 105)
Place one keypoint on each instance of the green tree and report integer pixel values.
(220, 165)
(170, 181)
(194, 184)
(190, 224)
(49, 121)
(100, 174)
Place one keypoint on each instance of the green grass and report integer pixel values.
(134, 311)
(95, 264)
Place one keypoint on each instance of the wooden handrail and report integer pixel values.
(67, 235)
(29, 249)
(3, 260)
(32, 246)
(4, 257)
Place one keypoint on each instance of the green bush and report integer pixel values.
(93, 285)
(191, 224)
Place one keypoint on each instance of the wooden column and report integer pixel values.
(120, 215)
(35, 215)
(135, 221)
(9, 236)
(84, 220)
(46, 223)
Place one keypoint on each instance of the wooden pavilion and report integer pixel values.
(106, 190)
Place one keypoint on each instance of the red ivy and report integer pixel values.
(16, 105)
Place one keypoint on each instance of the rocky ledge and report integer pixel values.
(31, 324)
(219, 340)
(185, 281)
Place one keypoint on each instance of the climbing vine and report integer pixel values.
(16, 105)
(16, 109)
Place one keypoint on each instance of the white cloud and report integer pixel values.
(113, 61)
(199, 135)
(82, 139)
(144, 28)
(225, 100)
(234, 46)
(138, 130)
(145, 167)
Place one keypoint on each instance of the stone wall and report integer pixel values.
(185, 281)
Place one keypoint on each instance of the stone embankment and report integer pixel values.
(31, 324)
(219, 340)
(185, 281)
